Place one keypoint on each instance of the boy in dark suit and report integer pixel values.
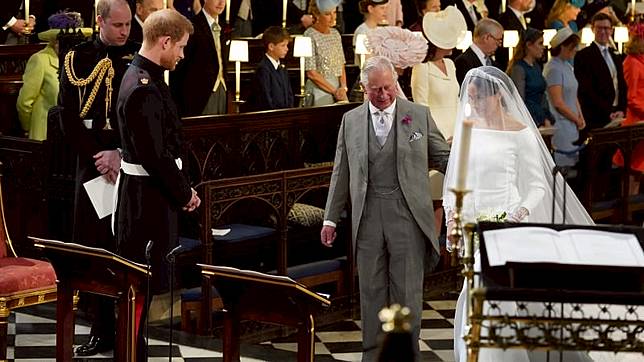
(272, 88)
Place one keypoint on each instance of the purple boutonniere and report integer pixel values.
(406, 120)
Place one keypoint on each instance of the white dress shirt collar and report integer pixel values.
(519, 15)
(276, 63)
(479, 53)
(210, 19)
(138, 20)
(389, 110)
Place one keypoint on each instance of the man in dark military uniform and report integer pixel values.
(152, 187)
(89, 83)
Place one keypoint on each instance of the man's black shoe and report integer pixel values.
(95, 345)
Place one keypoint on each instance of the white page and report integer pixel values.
(101, 193)
(523, 245)
(595, 247)
(219, 232)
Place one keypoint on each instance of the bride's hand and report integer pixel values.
(519, 214)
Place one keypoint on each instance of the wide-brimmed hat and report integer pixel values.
(445, 28)
(64, 20)
(561, 36)
(327, 5)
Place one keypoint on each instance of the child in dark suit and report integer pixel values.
(272, 88)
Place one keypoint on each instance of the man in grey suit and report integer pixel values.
(384, 149)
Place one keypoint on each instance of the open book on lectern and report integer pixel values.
(571, 246)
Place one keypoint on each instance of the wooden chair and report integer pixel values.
(23, 281)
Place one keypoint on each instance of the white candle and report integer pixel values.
(165, 4)
(237, 78)
(96, 15)
(633, 8)
(227, 11)
(302, 75)
(27, 11)
(463, 155)
(284, 3)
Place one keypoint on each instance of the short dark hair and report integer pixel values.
(275, 35)
(601, 17)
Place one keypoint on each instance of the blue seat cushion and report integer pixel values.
(314, 268)
(241, 232)
(189, 244)
(194, 294)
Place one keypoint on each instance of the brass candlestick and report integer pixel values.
(462, 234)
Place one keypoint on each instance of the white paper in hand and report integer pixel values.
(101, 193)
(220, 232)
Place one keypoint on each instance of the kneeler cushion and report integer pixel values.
(23, 274)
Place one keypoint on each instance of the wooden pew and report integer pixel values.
(618, 206)
(276, 192)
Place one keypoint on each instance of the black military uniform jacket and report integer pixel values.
(88, 229)
(151, 137)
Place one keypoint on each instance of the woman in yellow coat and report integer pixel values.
(40, 80)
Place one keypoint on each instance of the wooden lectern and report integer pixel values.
(96, 271)
(250, 295)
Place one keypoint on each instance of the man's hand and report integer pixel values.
(108, 163)
(307, 20)
(194, 202)
(327, 235)
(20, 26)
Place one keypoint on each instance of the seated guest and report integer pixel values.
(564, 13)
(375, 13)
(327, 79)
(562, 96)
(525, 71)
(487, 37)
(40, 79)
(272, 88)
(634, 75)
(424, 7)
(198, 83)
(143, 9)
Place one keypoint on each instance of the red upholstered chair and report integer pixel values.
(23, 281)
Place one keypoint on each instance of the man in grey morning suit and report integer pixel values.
(384, 149)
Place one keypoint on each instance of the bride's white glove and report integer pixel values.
(518, 215)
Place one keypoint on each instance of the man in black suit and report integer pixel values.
(487, 37)
(271, 86)
(469, 11)
(143, 9)
(269, 12)
(198, 83)
(598, 69)
(512, 19)
(12, 26)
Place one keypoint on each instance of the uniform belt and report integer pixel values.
(131, 169)
(134, 169)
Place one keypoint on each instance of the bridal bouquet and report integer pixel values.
(490, 217)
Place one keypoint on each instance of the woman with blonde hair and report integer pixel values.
(564, 13)
(327, 79)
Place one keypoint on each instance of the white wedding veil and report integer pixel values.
(510, 166)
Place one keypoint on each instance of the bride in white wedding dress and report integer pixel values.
(510, 171)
